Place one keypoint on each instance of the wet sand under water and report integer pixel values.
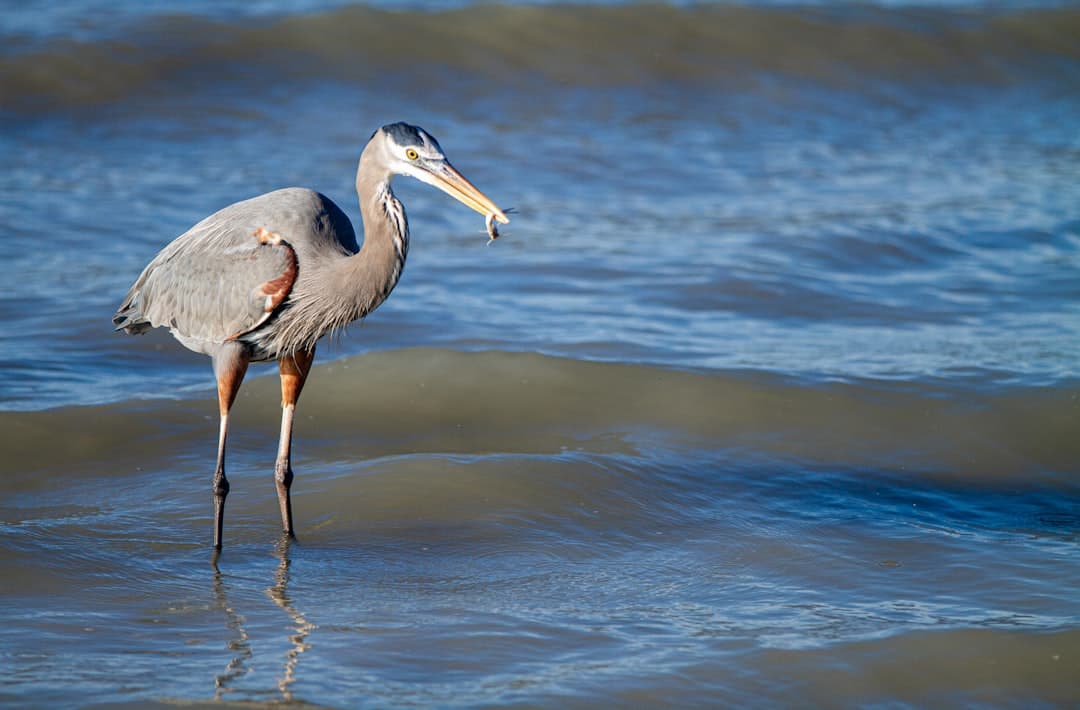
(513, 529)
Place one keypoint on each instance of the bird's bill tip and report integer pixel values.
(453, 183)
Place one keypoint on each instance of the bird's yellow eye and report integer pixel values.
(411, 154)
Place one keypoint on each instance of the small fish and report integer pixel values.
(492, 228)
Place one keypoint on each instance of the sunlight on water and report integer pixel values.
(767, 396)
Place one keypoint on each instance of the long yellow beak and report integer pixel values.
(446, 177)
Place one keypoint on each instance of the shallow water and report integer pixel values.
(768, 395)
(666, 537)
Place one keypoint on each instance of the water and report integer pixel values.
(767, 396)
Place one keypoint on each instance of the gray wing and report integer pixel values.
(223, 277)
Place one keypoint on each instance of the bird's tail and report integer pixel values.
(129, 317)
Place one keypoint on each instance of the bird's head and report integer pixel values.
(405, 149)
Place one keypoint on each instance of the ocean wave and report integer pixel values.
(565, 45)
(446, 402)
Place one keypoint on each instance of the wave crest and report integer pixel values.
(564, 45)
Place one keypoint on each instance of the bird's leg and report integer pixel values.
(294, 371)
(230, 370)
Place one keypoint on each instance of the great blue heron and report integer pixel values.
(265, 278)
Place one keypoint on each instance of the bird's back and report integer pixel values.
(228, 274)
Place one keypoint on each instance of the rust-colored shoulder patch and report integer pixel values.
(277, 289)
(265, 236)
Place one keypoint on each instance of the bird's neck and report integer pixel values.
(373, 272)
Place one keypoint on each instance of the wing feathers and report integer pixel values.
(210, 286)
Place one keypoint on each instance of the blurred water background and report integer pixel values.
(767, 396)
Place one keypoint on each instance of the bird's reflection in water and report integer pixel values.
(279, 593)
(240, 642)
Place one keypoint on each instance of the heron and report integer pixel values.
(265, 278)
